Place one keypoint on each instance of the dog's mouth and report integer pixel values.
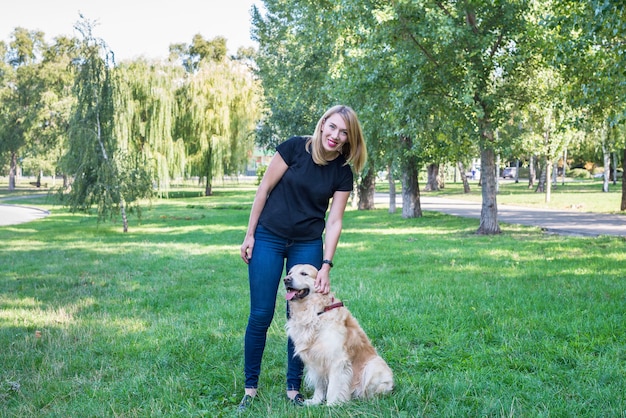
(293, 294)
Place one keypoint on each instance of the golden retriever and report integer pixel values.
(339, 359)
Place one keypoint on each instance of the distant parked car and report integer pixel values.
(509, 172)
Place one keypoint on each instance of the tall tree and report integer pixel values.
(47, 136)
(400, 61)
(19, 95)
(589, 38)
(104, 173)
(217, 114)
(293, 64)
(200, 49)
(145, 118)
(474, 51)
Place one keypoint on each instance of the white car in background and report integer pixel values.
(509, 172)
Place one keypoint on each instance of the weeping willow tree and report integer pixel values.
(146, 115)
(218, 111)
(104, 173)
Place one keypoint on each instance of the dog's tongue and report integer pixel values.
(291, 294)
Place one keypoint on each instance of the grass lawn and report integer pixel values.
(94, 322)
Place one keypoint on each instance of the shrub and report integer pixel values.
(579, 173)
(260, 171)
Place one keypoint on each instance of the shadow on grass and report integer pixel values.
(154, 319)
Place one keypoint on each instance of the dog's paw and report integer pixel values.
(312, 402)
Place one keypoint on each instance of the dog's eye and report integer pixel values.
(303, 273)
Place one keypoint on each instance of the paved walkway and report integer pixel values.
(552, 221)
(16, 214)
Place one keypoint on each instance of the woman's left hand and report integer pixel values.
(322, 281)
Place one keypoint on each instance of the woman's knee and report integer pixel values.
(260, 318)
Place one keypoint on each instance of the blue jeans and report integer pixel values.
(265, 272)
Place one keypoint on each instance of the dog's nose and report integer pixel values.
(287, 280)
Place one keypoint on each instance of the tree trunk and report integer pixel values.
(208, 191)
(607, 163)
(489, 212)
(564, 166)
(541, 182)
(367, 188)
(392, 190)
(432, 185)
(411, 207)
(623, 205)
(614, 168)
(531, 172)
(548, 182)
(123, 212)
(208, 166)
(12, 171)
(498, 173)
(466, 186)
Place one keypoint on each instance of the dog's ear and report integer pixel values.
(311, 271)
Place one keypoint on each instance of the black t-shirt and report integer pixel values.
(296, 207)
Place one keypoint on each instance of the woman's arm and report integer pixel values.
(334, 224)
(272, 176)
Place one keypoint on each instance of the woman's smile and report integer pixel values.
(335, 132)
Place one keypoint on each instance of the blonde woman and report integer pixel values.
(291, 223)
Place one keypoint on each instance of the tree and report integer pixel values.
(547, 119)
(218, 110)
(104, 173)
(19, 96)
(145, 118)
(590, 43)
(476, 52)
(293, 66)
(401, 61)
(47, 136)
(199, 50)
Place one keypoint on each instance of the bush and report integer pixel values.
(579, 173)
(260, 171)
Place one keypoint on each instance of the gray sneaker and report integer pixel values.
(245, 403)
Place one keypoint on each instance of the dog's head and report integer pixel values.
(300, 281)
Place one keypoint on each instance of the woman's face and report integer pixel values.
(334, 133)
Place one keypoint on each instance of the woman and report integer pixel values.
(287, 221)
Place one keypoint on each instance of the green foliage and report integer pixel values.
(199, 50)
(104, 174)
(218, 109)
(145, 118)
(151, 323)
(260, 172)
(20, 96)
(134, 113)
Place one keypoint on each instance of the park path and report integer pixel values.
(11, 214)
(560, 222)
(17, 214)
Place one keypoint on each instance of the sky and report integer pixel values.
(134, 28)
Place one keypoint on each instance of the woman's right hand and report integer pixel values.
(246, 249)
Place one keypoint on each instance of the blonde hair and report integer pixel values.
(354, 150)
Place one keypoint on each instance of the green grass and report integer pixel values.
(151, 323)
